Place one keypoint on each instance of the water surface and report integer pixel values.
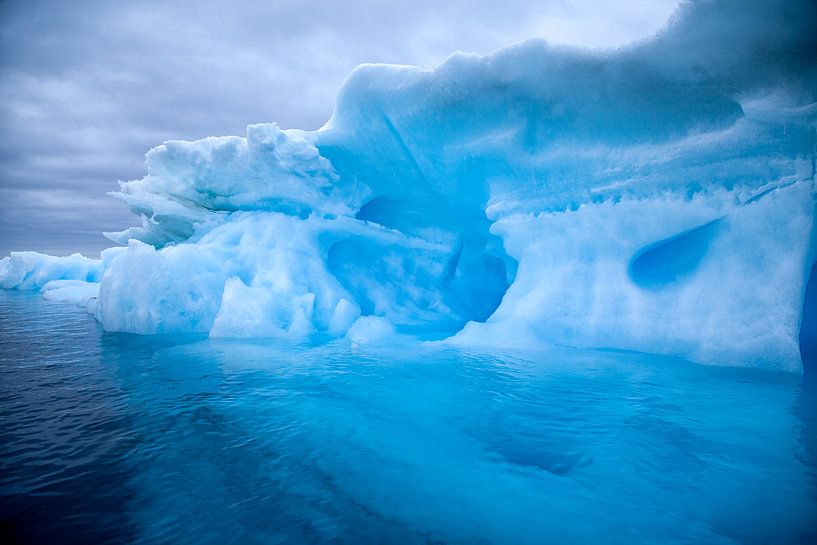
(116, 438)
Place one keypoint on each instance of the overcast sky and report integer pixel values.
(86, 88)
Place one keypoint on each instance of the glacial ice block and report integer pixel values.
(658, 197)
(726, 283)
(32, 270)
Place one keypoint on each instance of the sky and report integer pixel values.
(86, 88)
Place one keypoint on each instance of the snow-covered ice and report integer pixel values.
(659, 197)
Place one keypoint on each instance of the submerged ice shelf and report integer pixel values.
(659, 197)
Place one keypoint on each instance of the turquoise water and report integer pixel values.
(113, 438)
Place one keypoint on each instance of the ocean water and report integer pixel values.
(115, 438)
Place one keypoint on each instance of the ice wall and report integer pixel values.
(658, 197)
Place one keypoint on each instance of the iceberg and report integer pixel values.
(658, 197)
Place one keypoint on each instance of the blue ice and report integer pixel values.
(659, 197)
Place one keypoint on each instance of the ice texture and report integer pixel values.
(659, 197)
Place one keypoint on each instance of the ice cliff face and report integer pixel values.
(658, 197)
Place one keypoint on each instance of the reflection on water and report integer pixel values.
(111, 438)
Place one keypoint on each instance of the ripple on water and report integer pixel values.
(112, 438)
